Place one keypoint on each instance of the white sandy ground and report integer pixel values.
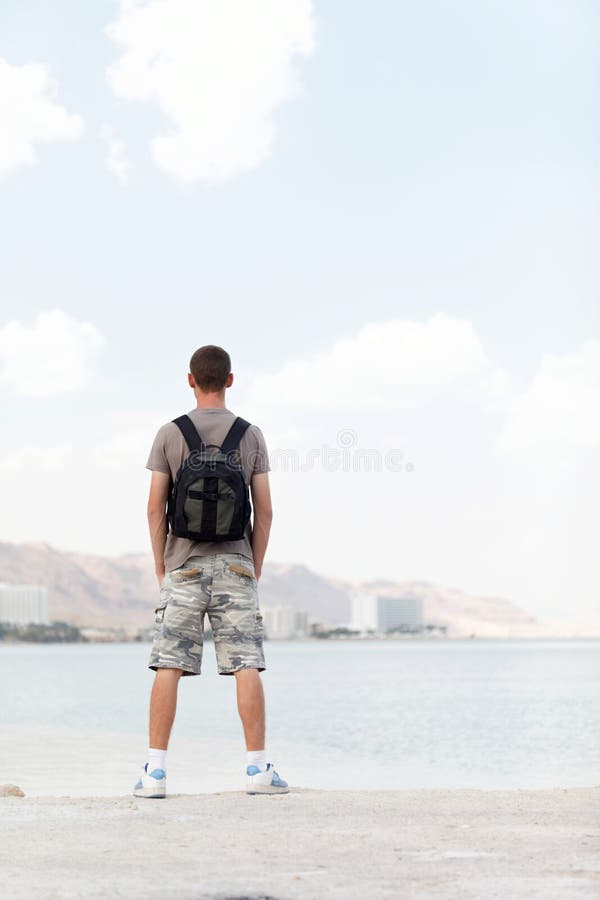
(449, 844)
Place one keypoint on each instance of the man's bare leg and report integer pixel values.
(163, 703)
(262, 777)
(251, 707)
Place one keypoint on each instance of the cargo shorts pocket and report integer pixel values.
(159, 612)
(242, 573)
(185, 575)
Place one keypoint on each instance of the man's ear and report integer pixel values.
(191, 380)
(229, 381)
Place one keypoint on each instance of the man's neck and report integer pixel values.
(210, 401)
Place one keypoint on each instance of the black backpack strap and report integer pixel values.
(190, 433)
(234, 435)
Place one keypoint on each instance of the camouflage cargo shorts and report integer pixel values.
(223, 587)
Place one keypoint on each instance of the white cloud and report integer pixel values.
(106, 450)
(56, 354)
(560, 409)
(125, 442)
(29, 114)
(218, 69)
(116, 159)
(37, 459)
(385, 364)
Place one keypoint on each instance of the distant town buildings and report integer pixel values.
(284, 622)
(363, 612)
(399, 612)
(373, 611)
(23, 604)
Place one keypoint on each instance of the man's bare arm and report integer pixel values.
(263, 516)
(157, 519)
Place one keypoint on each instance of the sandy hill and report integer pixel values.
(101, 590)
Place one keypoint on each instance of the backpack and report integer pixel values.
(209, 499)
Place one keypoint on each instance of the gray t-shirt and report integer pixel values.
(169, 451)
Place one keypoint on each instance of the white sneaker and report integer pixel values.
(267, 782)
(153, 785)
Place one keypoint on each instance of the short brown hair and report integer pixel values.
(210, 367)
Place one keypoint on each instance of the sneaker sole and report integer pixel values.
(267, 789)
(146, 796)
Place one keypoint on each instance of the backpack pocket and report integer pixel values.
(210, 503)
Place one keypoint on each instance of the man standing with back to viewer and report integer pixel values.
(195, 495)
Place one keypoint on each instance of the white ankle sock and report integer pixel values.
(258, 758)
(157, 759)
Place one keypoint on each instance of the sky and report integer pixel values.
(388, 215)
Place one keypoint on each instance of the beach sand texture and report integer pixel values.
(449, 844)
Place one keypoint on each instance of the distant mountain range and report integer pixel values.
(122, 591)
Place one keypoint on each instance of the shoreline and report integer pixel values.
(198, 765)
(459, 843)
(383, 639)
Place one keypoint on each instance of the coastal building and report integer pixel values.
(372, 611)
(284, 622)
(364, 611)
(399, 612)
(23, 604)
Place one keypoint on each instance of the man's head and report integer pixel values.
(210, 370)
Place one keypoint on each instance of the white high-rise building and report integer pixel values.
(364, 611)
(284, 622)
(372, 611)
(23, 604)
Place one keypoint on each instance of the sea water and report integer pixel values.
(387, 714)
